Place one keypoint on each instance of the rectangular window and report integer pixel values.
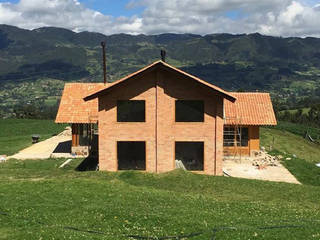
(189, 155)
(244, 132)
(189, 111)
(233, 135)
(131, 111)
(131, 155)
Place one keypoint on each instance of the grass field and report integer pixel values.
(16, 134)
(40, 201)
(299, 129)
(288, 142)
(303, 153)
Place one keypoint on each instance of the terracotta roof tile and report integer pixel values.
(73, 109)
(250, 109)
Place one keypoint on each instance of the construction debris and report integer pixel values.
(318, 164)
(65, 163)
(179, 164)
(263, 159)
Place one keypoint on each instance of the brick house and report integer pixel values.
(160, 118)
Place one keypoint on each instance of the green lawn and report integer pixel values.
(40, 201)
(302, 153)
(298, 129)
(288, 142)
(15, 134)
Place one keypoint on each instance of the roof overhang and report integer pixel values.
(165, 66)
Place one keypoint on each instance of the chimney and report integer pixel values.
(103, 45)
(163, 55)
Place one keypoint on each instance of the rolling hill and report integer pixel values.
(34, 64)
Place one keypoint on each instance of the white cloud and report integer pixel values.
(271, 17)
(69, 14)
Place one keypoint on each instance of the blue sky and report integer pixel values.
(270, 17)
(115, 8)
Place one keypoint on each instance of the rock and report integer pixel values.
(280, 157)
(288, 158)
(295, 156)
(263, 149)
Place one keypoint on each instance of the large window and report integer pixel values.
(131, 155)
(235, 135)
(189, 155)
(131, 111)
(189, 111)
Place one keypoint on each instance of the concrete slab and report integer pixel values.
(46, 148)
(245, 169)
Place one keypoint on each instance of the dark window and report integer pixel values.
(131, 155)
(189, 155)
(189, 111)
(244, 132)
(131, 111)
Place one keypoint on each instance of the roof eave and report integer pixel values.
(221, 92)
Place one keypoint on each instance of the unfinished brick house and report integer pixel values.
(160, 118)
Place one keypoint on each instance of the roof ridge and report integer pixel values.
(210, 85)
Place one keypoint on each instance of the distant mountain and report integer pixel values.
(287, 67)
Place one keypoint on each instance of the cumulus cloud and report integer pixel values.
(69, 14)
(271, 17)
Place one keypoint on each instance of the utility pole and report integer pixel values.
(103, 45)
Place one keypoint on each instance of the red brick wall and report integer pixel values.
(160, 131)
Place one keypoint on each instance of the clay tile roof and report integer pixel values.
(250, 109)
(224, 93)
(73, 109)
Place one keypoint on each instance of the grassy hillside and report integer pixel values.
(302, 154)
(289, 68)
(40, 201)
(288, 142)
(16, 134)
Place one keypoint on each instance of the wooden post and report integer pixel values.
(75, 134)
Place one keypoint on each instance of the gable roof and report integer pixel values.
(224, 93)
(250, 109)
(73, 109)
